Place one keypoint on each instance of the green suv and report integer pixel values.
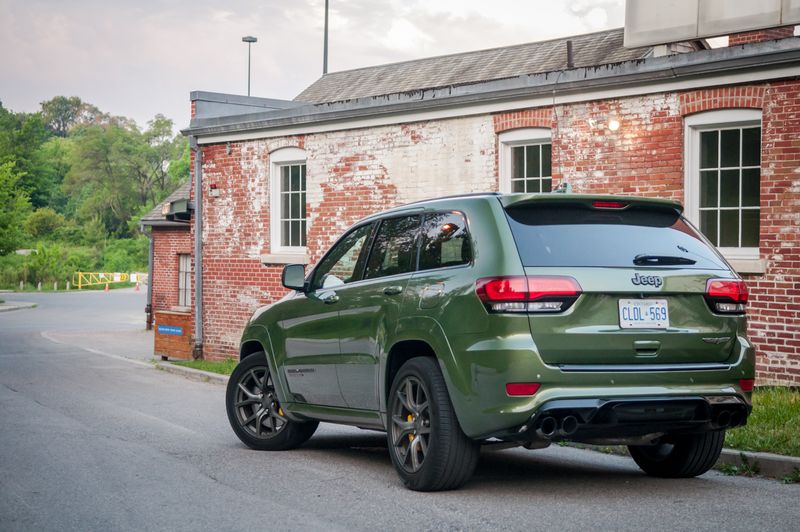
(492, 319)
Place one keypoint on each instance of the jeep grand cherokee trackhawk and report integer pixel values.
(521, 319)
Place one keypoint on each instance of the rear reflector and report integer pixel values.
(609, 205)
(541, 293)
(522, 388)
(727, 296)
(747, 385)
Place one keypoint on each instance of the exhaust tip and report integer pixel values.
(736, 418)
(724, 418)
(548, 426)
(569, 425)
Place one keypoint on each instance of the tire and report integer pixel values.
(255, 413)
(428, 448)
(680, 456)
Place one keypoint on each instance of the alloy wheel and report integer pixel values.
(256, 405)
(411, 423)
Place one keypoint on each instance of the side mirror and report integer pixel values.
(293, 277)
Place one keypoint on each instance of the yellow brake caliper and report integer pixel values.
(410, 418)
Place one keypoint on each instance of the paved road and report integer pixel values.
(91, 442)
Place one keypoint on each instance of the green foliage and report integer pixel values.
(43, 222)
(745, 469)
(773, 425)
(126, 255)
(14, 209)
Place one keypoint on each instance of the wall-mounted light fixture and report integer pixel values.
(613, 124)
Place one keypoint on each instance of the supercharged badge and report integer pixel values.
(653, 280)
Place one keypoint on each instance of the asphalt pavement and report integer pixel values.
(101, 440)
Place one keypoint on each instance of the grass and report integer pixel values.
(746, 468)
(223, 367)
(773, 426)
(793, 477)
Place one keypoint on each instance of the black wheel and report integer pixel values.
(679, 456)
(254, 412)
(428, 448)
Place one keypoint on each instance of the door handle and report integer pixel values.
(330, 299)
(646, 348)
(392, 290)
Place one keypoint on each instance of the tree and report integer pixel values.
(14, 209)
(61, 113)
(44, 222)
(21, 136)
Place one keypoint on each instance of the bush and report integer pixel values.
(126, 255)
(44, 222)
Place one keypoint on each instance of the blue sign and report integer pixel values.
(170, 329)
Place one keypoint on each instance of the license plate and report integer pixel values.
(643, 314)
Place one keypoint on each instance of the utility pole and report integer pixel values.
(325, 43)
(249, 39)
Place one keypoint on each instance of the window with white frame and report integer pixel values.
(525, 160)
(288, 204)
(184, 280)
(723, 181)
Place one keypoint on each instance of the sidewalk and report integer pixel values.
(8, 306)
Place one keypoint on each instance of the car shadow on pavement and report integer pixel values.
(559, 469)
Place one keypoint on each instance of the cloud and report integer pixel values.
(142, 58)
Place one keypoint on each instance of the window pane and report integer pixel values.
(708, 188)
(532, 155)
(285, 206)
(750, 227)
(518, 161)
(341, 265)
(302, 177)
(303, 205)
(295, 237)
(546, 160)
(534, 186)
(729, 188)
(751, 146)
(285, 178)
(547, 185)
(295, 177)
(729, 148)
(295, 206)
(518, 186)
(708, 149)
(394, 249)
(729, 228)
(445, 241)
(708, 225)
(285, 234)
(303, 233)
(751, 179)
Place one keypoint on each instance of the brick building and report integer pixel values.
(718, 129)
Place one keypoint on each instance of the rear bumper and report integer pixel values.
(624, 418)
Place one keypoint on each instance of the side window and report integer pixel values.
(445, 241)
(341, 265)
(394, 249)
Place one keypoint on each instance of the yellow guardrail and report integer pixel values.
(81, 279)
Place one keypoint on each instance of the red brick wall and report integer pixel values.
(760, 35)
(357, 172)
(168, 242)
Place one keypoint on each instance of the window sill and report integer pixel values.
(748, 265)
(284, 258)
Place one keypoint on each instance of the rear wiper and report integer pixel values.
(660, 260)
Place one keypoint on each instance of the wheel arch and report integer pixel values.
(400, 353)
(250, 347)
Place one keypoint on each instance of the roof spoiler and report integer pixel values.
(594, 201)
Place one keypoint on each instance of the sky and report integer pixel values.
(137, 58)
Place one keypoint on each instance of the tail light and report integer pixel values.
(522, 388)
(747, 385)
(550, 293)
(726, 296)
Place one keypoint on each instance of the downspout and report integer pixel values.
(198, 248)
(149, 308)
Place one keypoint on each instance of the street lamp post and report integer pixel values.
(249, 39)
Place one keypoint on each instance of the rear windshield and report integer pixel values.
(577, 235)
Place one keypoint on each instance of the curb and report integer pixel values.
(768, 465)
(765, 464)
(191, 373)
(8, 306)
